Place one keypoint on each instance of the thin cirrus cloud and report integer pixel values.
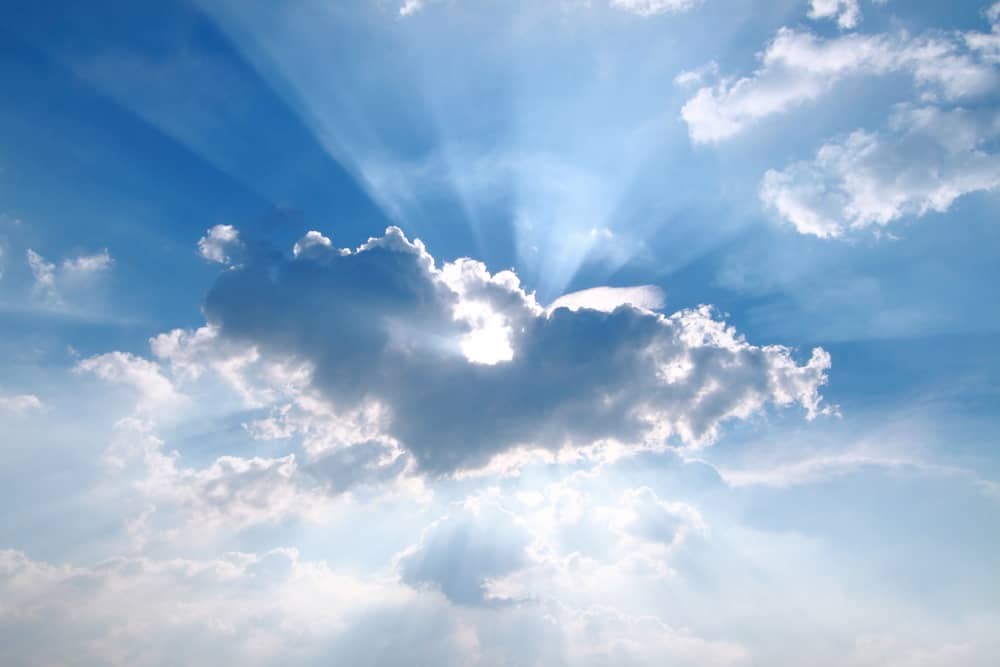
(639, 7)
(655, 7)
(50, 279)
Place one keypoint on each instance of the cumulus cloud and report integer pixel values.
(466, 365)
(654, 7)
(347, 449)
(922, 162)
(799, 67)
(230, 493)
(846, 12)
(334, 452)
(145, 377)
(218, 242)
(484, 555)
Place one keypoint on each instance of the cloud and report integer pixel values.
(343, 448)
(154, 388)
(847, 12)
(266, 608)
(228, 494)
(645, 517)
(463, 551)
(468, 366)
(606, 299)
(19, 403)
(511, 561)
(824, 467)
(217, 242)
(608, 636)
(43, 272)
(799, 67)
(410, 7)
(341, 451)
(922, 162)
(50, 278)
(880, 650)
(100, 261)
(277, 608)
(654, 7)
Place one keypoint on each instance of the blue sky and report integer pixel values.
(583, 332)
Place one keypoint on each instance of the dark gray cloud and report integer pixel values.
(384, 324)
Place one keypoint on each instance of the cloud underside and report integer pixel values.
(465, 366)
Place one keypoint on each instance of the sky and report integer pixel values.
(500, 332)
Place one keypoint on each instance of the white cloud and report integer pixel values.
(606, 299)
(643, 516)
(847, 12)
(887, 650)
(697, 76)
(20, 403)
(608, 636)
(828, 466)
(255, 609)
(100, 261)
(44, 273)
(925, 160)
(411, 7)
(277, 608)
(799, 67)
(51, 279)
(154, 388)
(229, 494)
(312, 238)
(654, 7)
(218, 242)
(483, 555)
